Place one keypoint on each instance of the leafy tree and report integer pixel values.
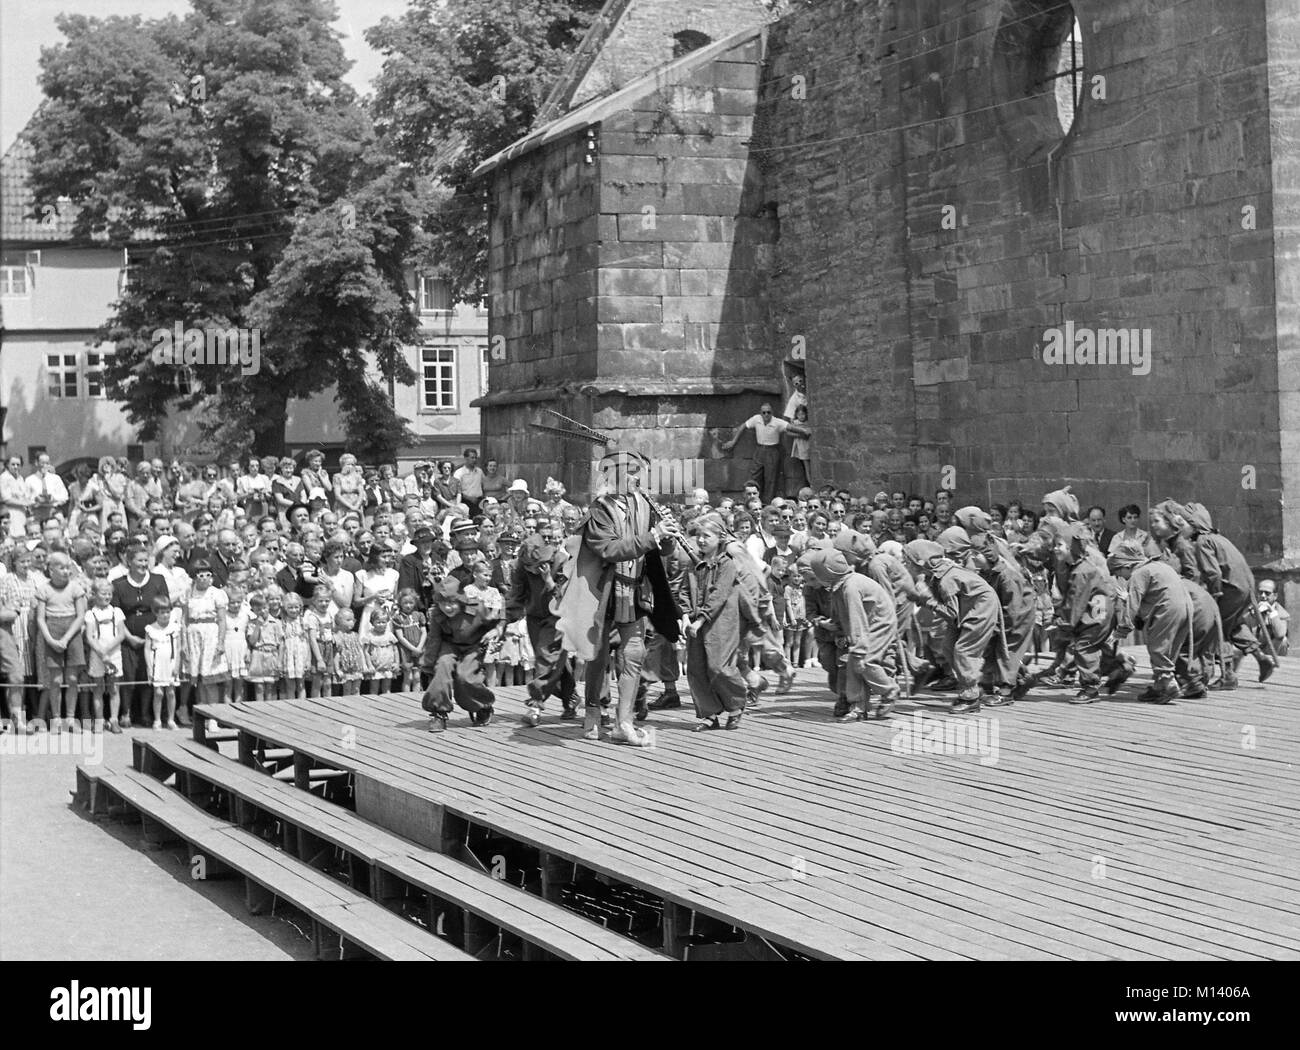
(463, 79)
(226, 148)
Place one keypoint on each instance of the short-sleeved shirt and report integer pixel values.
(61, 601)
(767, 433)
(471, 482)
(797, 401)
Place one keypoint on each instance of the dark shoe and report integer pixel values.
(1267, 665)
(1227, 683)
(570, 712)
(481, 718)
(1086, 695)
(641, 711)
(965, 705)
(437, 723)
(666, 702)
(751, 702)
(1195, 692)
(946, 684)
(841, 707)
(1119, 676)
(1002, 698)
(605, 721)
(704, 727)
(1164, 691)
(734, 721)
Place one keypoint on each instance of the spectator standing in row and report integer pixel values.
(470, 481)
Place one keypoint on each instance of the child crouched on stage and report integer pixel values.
(453, 655)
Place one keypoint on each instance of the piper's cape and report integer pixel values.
(586, 598)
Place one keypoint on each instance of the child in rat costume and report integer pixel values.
(713, 635)
(453, 655)
(536, 584)
(864, 612)
(967, 611)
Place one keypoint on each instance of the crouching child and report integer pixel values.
(453, 655)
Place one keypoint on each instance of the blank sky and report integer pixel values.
(26, 26)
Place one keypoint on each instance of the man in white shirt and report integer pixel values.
(46, 490)
(766, 470)
(1274, 618)
(471, 481)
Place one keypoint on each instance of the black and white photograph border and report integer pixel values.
(651, 480)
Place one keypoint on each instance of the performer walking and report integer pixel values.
(618, 581)
(714, 633)
(536, 584)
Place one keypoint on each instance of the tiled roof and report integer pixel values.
(20, 218)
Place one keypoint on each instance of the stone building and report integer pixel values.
(55, 292)
(1012, 242)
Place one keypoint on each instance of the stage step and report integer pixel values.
(345, 924)
(471, 906)
(392, 791)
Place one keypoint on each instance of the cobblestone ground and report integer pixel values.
(71, 888)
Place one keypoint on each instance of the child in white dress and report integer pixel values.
(163, 649)
(105, 629)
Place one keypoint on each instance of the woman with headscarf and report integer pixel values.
(1087, 613)
(967, 617)
(1003, 680)
(864, 613)
(713, 633)
(1160, 608)
(1228, 578)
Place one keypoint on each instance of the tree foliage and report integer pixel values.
(226, 149)
(462, 79)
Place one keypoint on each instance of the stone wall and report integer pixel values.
(634, 298)
(935, 226)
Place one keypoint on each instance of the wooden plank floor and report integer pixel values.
(1114, 830)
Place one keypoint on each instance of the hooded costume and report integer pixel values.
(536, 584)
(1087, 612)
(453, 655)
(967, 609)
(712, 667)
(864, 612)
(1226, 575)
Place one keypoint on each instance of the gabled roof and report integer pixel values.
(557, 101)
(599, 109)
(20, 218)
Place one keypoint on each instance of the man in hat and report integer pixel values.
(1228, 578)
(462, 537)
(424, 568)
(453, 656)
(618, 581)
(536, 582)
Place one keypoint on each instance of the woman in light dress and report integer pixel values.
(205, 636)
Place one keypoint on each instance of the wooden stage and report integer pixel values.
(1114, 830)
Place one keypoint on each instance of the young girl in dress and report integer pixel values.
(496, 668)
(408, 626)
(297, 650)
(318, 624)
(237, 617)
(380, 647)
(265, 646)
(349, 659)
(205, 636)
(164, 645)
(105, 630)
